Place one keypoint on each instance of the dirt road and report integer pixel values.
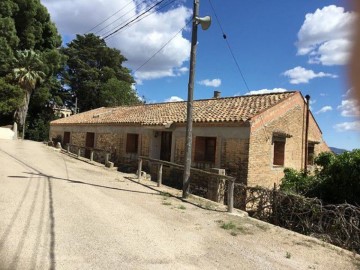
(61, 213)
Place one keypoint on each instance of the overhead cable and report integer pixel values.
(131, 21)
(123, 25)
(122, 16)
(162, 47)
(228, 44)
(108, 18)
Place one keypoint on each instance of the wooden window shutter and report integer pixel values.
(279, 153)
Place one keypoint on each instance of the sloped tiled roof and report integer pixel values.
(230, 109)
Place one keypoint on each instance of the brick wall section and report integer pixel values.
(78, 138)
(234, 158)
(145, 145)
(109, 142)
(179, 150)
(288, 117)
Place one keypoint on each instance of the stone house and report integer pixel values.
(252, 137)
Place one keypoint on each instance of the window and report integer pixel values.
(132, 143)
(205, 149)
(311, 152)
(279, 151)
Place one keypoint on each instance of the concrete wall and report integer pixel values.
(7, 134)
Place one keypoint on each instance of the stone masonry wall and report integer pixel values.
(179, 150)
(78, 138)
(234, 158)
(289, 118)
(145, 145)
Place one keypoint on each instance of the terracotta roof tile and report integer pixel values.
(230, 109)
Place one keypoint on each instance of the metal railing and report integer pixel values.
(161, 163)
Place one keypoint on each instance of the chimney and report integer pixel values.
(217, 94)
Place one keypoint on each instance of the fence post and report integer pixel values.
(68, 148)
(91, 155)
(139, 169)
(79, 152)
(107, 155)
(231, 195)
(160, 175)
(274, 206)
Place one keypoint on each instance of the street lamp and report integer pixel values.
(205, 24)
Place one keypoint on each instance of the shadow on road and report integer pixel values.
(94, 185)
(174, 196)
(52, 259)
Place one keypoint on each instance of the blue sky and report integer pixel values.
(279, 45)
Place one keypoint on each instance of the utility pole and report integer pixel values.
(307, 97)
(76, 108)
(187, 166)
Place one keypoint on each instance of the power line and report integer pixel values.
(123, 15)
(165, 44)
(137, 17)
(108, 18)
(140, 19)
(228, 44)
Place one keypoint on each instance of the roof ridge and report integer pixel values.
(206, 99)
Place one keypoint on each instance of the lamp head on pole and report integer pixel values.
(205, 22)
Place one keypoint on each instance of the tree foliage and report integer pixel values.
(95, 74)
(30, 52)
(29, 44)
(10, 97)
(337, 180)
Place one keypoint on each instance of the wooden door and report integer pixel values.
(165, 148)
(66, 139)
(90, 142)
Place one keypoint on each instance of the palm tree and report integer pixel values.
(27, 74)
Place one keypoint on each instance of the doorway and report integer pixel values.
(165, 148)
(90, 142)
(66, 139)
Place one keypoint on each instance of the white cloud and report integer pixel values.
(210, 83)
(174, 99)
(324, 109)
(348, 126)
(266, 91)
(325, 36)
(299, 75)
(349, 108)
(137, 43)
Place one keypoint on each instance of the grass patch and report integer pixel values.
(234, 228)
(228, 226)
(303, 244)
(166, 203)
(243, 230)
(262, 227)
(182, 207)
(288, 255)
(165, 194)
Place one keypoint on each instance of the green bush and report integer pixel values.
(336, 180)
(296, 182)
